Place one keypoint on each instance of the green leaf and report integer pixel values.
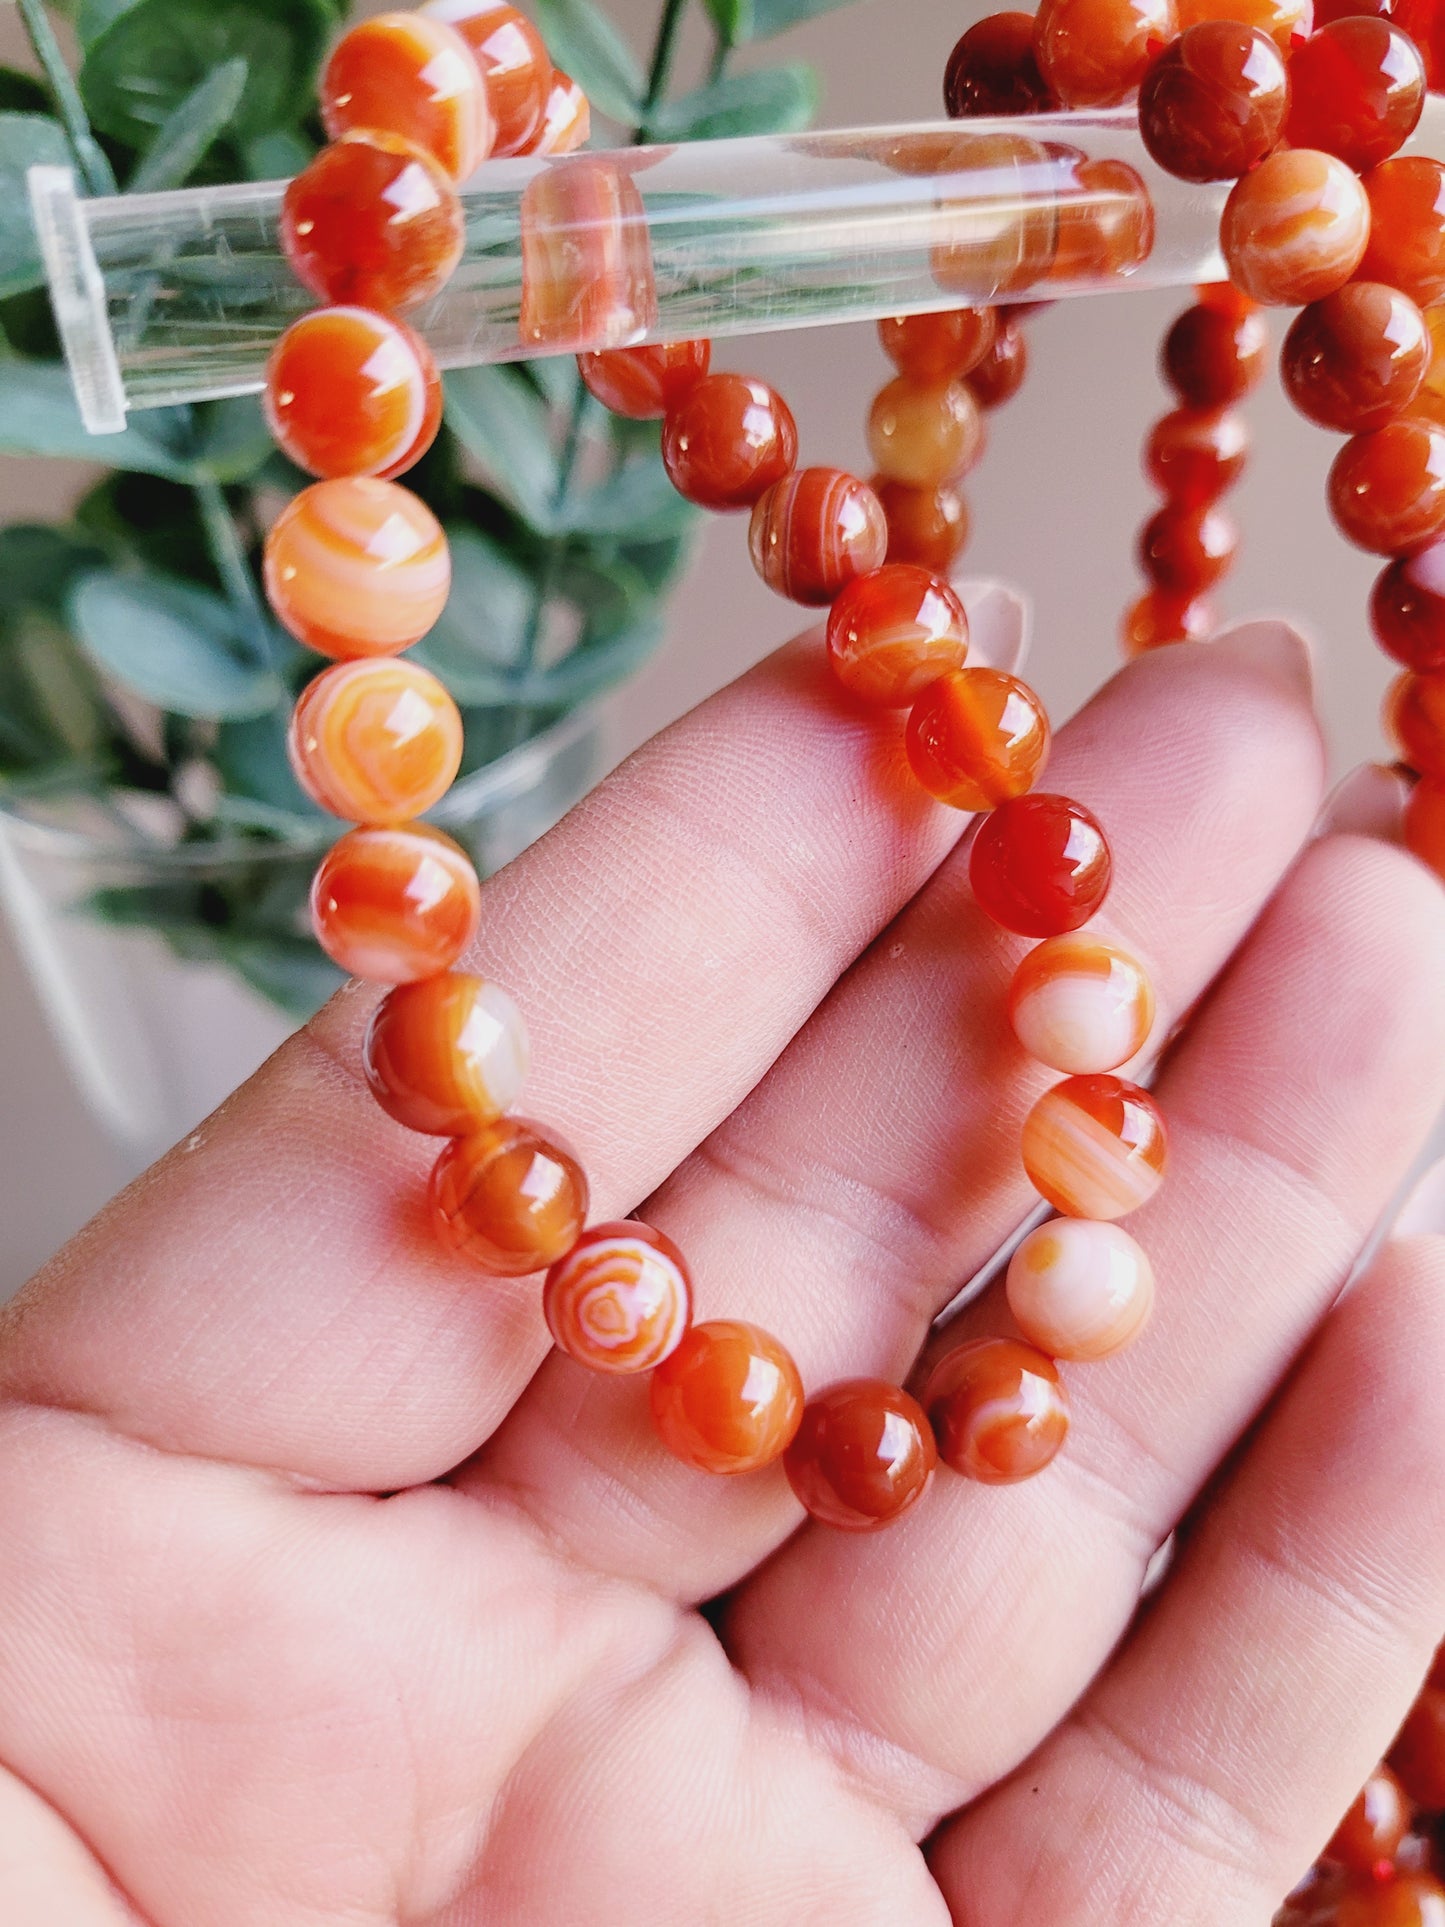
(171, 642)
(638, 502)
(479, 638)
(232, 441)
(587, 672)
(188, 131)
(278, 155)
(62, 683)
(38, 565)
(25, 139)
(505, 423)
(292, 973)
(660, 563)
(585, 44)
(146, 63)
(92, 17)
(739, 20)
(554, 377)
(771, 100)
(250, 754)
(22, 93)
(38, 416)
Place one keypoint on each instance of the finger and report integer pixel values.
(1212, 1762)
(47, 1876)
(878, 1164)
(1296, 1103)
(272, 1291)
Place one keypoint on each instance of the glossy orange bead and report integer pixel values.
(372, 222)
(587, 279)
(566, 118)
(1359, 85)
(727, 441)
(1160, 618)
(1295, 229)
(862, 1456)
(928, 526)
(447, 1055)
(1387, 488)
(1357, 358)
(643, 383)
(891, 632)
(1094, 53)
(993, 70)
(1214, 355)
(924, 432)
(814, 532)
(1040, 865)
(1407, 227)
(1415, 717)
(1418, 1756)
(397, 904)
(1194, 454)
(1285, 21)
(1409, 1900)
(357, 567)
(508, 1197)
(1424, 824)
(375, 742)
(977, 737)
(1407, 608)
(514, 64)
(938, 347)
(1095, 1146)
(998, 1410)
(621, 1299)
(1371, 1832)
(1081, 1005)
(998, 377)
(1106, 222)
(410, 75)
(1184, 550)
(352, 392)
(1214, 103)
(729, 1399)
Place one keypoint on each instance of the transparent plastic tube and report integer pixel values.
(177, 297)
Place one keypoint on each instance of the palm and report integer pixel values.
(256, 1666)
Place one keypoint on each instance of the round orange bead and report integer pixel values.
(1371, 1832)
(395, 905)
(643, 383)
(1080, 1004)
(357, 567)
(508, 1197)
(729, 1399)
(1040, 865)
(998, 1410)
(1407, 227)
(566, 118)
(977, 737)
(1106, 222)
(621, 1299)
(1387, 488)
(1285, 21)
(514, 64)
(1424, 825)
(1213, 104)
(1418, 1755)
(1094, 53)
(727, 441)
(1295, 229)
(1358, 88)
(1407, 608)
(375, 742)
(1095, 1146)
(863, 1455)
(993, 70)
(1161, 617)
(999, 375)
(1194, 454)
(891, 632)
(413, 76)
(352, 392)
(938, 347)
(1214, 355)
(447, 1055)
(924, 432)
(587, 279)
(1409, 1900)
(928, 526)
(1012, 247)
(1415, 717)
(1355, 359)
(373, 222)
(814, 531)
(1183, 550)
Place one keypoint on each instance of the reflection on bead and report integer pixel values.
(621, 1299)
(395, 905)
(1000, 374)
(813, 532)
(447, 1055)
(1079, 1004)
(1040, 865)
(1186, 550)
(1415, 717)
(352, 392)
(1387, 488)
(566, 118)
(997, 1409)
(375, 742)
(514, 63)
(586, 258)
(1424, 825)
(1407, 608)
(1409, 1900)
(924, 433)
(938, 347)
(357, 567)
(1159, 618)
(1374, 1827)
(1355, 359)
(508, 1197)
(1295, 229)
(977, 737)
(372, 222)
(1358, 88)
(1079, 1289)
(1213, 104)
(411, 75)
(729, 1399)
(1407, 227)
(928, 526)
(862, 1456)
(1094, 53)
(1194, 454)
(727, 441)
(1094, 1147)
(643, 383)
(1106, 222)
(890, 633)
(1285, 21)
(1213, 355)
(993, 70)
(1000, 238)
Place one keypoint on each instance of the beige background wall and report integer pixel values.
(1056, 504)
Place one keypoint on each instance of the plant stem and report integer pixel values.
(95, 169)
(721, 53)
(232, 567)
(663, 49)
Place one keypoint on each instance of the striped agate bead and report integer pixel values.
(375, 742)
(514, 63)
(977, 737)
(395, 904)
(621, 1299)
(372, 220)
(814, 531)
(1095, 1147)
(1079, 1289)
(508, 1197)
(352, 392)
(586, 258)
(411, 75)
(566, 118)
(355, 566)
(447, 1055)
(893, 631)
(997, 1409)
(1079, 1004)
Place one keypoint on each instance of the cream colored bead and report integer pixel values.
(1080, 1289)
(1080, 1004)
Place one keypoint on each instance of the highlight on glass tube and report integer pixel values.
(179, 296)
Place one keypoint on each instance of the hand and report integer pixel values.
(329, 1599)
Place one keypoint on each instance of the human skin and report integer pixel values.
(329, 1599)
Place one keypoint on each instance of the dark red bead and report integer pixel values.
(1160, 617)
(992, 70)
(372, 222)
(1213, 356)
(727, 441)
(1370, 1833)
(998, 377)
(1407, 614)
(1387, 488)
(862, 1456)
(1214, 102)
(1194, 454)
(1187, 550)
(1040, 865)
(1356, 358)
(1358, 88)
